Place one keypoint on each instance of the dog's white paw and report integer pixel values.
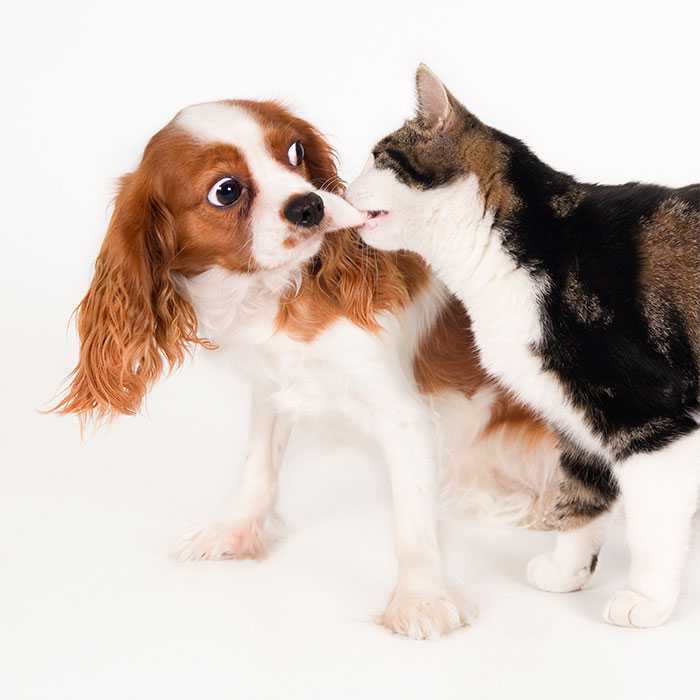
(545, 573)
(242, 539)
(631, 609)
(425, 616)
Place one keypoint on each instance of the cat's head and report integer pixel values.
(441, 167)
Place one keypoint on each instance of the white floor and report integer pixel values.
(94, 605)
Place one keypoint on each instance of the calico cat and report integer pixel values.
(585, 302)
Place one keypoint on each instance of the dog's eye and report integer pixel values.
(225, 192)
(296, 154)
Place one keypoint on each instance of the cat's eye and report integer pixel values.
(225, 192)
(295, 154)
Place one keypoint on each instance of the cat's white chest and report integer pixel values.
(506, 325)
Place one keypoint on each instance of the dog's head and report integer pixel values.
(245, 186)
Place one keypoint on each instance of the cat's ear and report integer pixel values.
(433, 104)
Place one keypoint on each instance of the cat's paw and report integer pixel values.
(241, 539)
(545, 573)
(631, 609)
(425, 616)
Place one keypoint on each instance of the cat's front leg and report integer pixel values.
(421, 606)
(580, 512)
(248, 524)
(659, 492)
(573, 561)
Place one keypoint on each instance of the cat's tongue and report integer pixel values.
(373, 217)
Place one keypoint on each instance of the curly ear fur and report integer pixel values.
(132, 322)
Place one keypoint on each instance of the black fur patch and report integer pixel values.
(638, 393)
(591, 472)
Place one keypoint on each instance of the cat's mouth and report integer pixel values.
(374, 216)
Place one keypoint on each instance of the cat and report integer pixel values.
(584, 301)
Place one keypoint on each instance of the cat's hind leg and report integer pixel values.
(659, 492)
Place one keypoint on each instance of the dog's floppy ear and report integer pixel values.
(132, 322)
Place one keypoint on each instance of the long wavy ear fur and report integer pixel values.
(132, 322)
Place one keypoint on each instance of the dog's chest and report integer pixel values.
(318, 376)
(348, 369)
(339, 370)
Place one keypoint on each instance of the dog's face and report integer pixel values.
(245, 186)
(248, 186)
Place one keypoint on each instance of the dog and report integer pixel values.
(232, 234)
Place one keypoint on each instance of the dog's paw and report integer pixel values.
(425, 616)
(545, 573)
(631, 609)
(242, 539)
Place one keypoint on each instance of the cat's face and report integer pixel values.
(439, 168)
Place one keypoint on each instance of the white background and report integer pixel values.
(92, 604)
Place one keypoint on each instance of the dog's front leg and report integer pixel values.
(248, 524)
(421, 606)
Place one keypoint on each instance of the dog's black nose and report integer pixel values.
(304, 210)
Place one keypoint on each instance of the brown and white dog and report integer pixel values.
(221, 233)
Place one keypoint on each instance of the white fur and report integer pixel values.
(659, 491)
(569, 567)
(450, 227)
(490, 476)
(249, 522)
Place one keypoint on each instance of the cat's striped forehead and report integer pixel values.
(423, 158)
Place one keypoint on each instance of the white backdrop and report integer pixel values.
(91, 603)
